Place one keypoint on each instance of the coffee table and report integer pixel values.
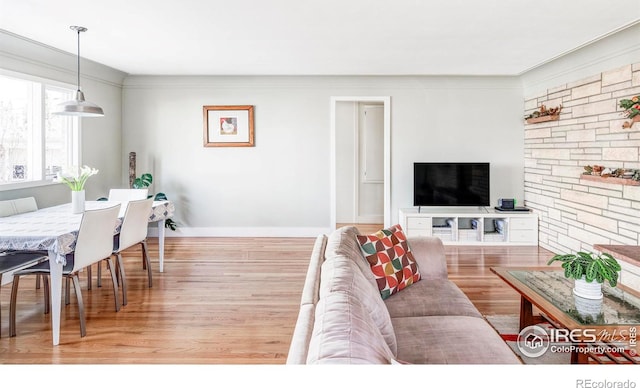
(611, 322)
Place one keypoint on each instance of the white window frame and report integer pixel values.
(76, 138)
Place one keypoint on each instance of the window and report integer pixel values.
(34, 144)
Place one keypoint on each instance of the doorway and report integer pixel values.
(360, 161)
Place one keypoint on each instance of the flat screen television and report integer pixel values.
(451, 184)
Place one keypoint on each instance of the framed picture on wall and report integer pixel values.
(228, 125)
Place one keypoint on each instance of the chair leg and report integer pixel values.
(38, 281)
(89, 277)
(83, 324)
(12, 306)
(145, 257)
(99, 274)
(67, 293)
(123, 279)
(47, 295)
(112, 270)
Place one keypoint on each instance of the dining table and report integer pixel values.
(55, 229)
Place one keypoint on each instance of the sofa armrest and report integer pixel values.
(430, 256)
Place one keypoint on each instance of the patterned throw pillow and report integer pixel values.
(391, 260)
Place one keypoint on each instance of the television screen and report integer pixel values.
(451, 184)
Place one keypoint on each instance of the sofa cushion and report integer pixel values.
(391, 260)
(341, 274)
(450, 340)
(432, 297)
(344, 333)
(344, 242)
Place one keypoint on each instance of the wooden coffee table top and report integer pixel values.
(552, 293)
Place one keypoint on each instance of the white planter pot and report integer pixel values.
(587, 290)
(77, 201)
(588, 307)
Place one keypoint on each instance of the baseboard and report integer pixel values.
(242, 232)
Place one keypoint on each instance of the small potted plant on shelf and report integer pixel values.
(590, 271)
(631, 110)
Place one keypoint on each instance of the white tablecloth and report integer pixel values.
(56, 228)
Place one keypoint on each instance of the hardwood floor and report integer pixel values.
(219, 301)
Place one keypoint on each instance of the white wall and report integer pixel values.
(281, 186)
(101, 137)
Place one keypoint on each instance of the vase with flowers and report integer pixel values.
(75, 178)
(631, 110)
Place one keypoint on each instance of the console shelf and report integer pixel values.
(476, 226)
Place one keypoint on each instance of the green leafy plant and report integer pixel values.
(144, 181)
(602, 267)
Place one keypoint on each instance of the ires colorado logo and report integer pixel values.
(534, 341)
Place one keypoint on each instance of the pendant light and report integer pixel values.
(78, 106)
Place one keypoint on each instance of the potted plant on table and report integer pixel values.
(590, 271)
(75, 178)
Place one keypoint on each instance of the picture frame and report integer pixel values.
(228, 125)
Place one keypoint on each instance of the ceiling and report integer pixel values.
(311, 37)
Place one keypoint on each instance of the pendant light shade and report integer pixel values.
(78, 106)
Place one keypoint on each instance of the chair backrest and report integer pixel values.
(6, 208)
(95, 237)
(124, 195)
(12, 207)
(24, 205)
(135, 223)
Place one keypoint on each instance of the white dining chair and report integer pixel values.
(12, 207)
(133, 232)
(124, 195)
(16, 260)
(94, 244)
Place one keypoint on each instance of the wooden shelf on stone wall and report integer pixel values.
(543, 119)
(612, 180)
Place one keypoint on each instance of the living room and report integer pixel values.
(283, 186)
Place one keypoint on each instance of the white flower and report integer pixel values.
(75, 177)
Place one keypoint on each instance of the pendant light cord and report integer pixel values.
(78, 60)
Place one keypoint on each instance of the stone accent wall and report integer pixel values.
(575, 213)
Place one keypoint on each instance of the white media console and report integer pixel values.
(471, 226)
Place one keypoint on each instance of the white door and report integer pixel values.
(360, 160)
(369, 190)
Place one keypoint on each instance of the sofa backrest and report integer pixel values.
(429, 254)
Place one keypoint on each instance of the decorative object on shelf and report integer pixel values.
(623, 176)
(543, 114)
(76, 178)
(228, 125)
(589, 270)
(78, 106)
(631, 110)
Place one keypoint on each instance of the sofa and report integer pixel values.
(344, 320)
